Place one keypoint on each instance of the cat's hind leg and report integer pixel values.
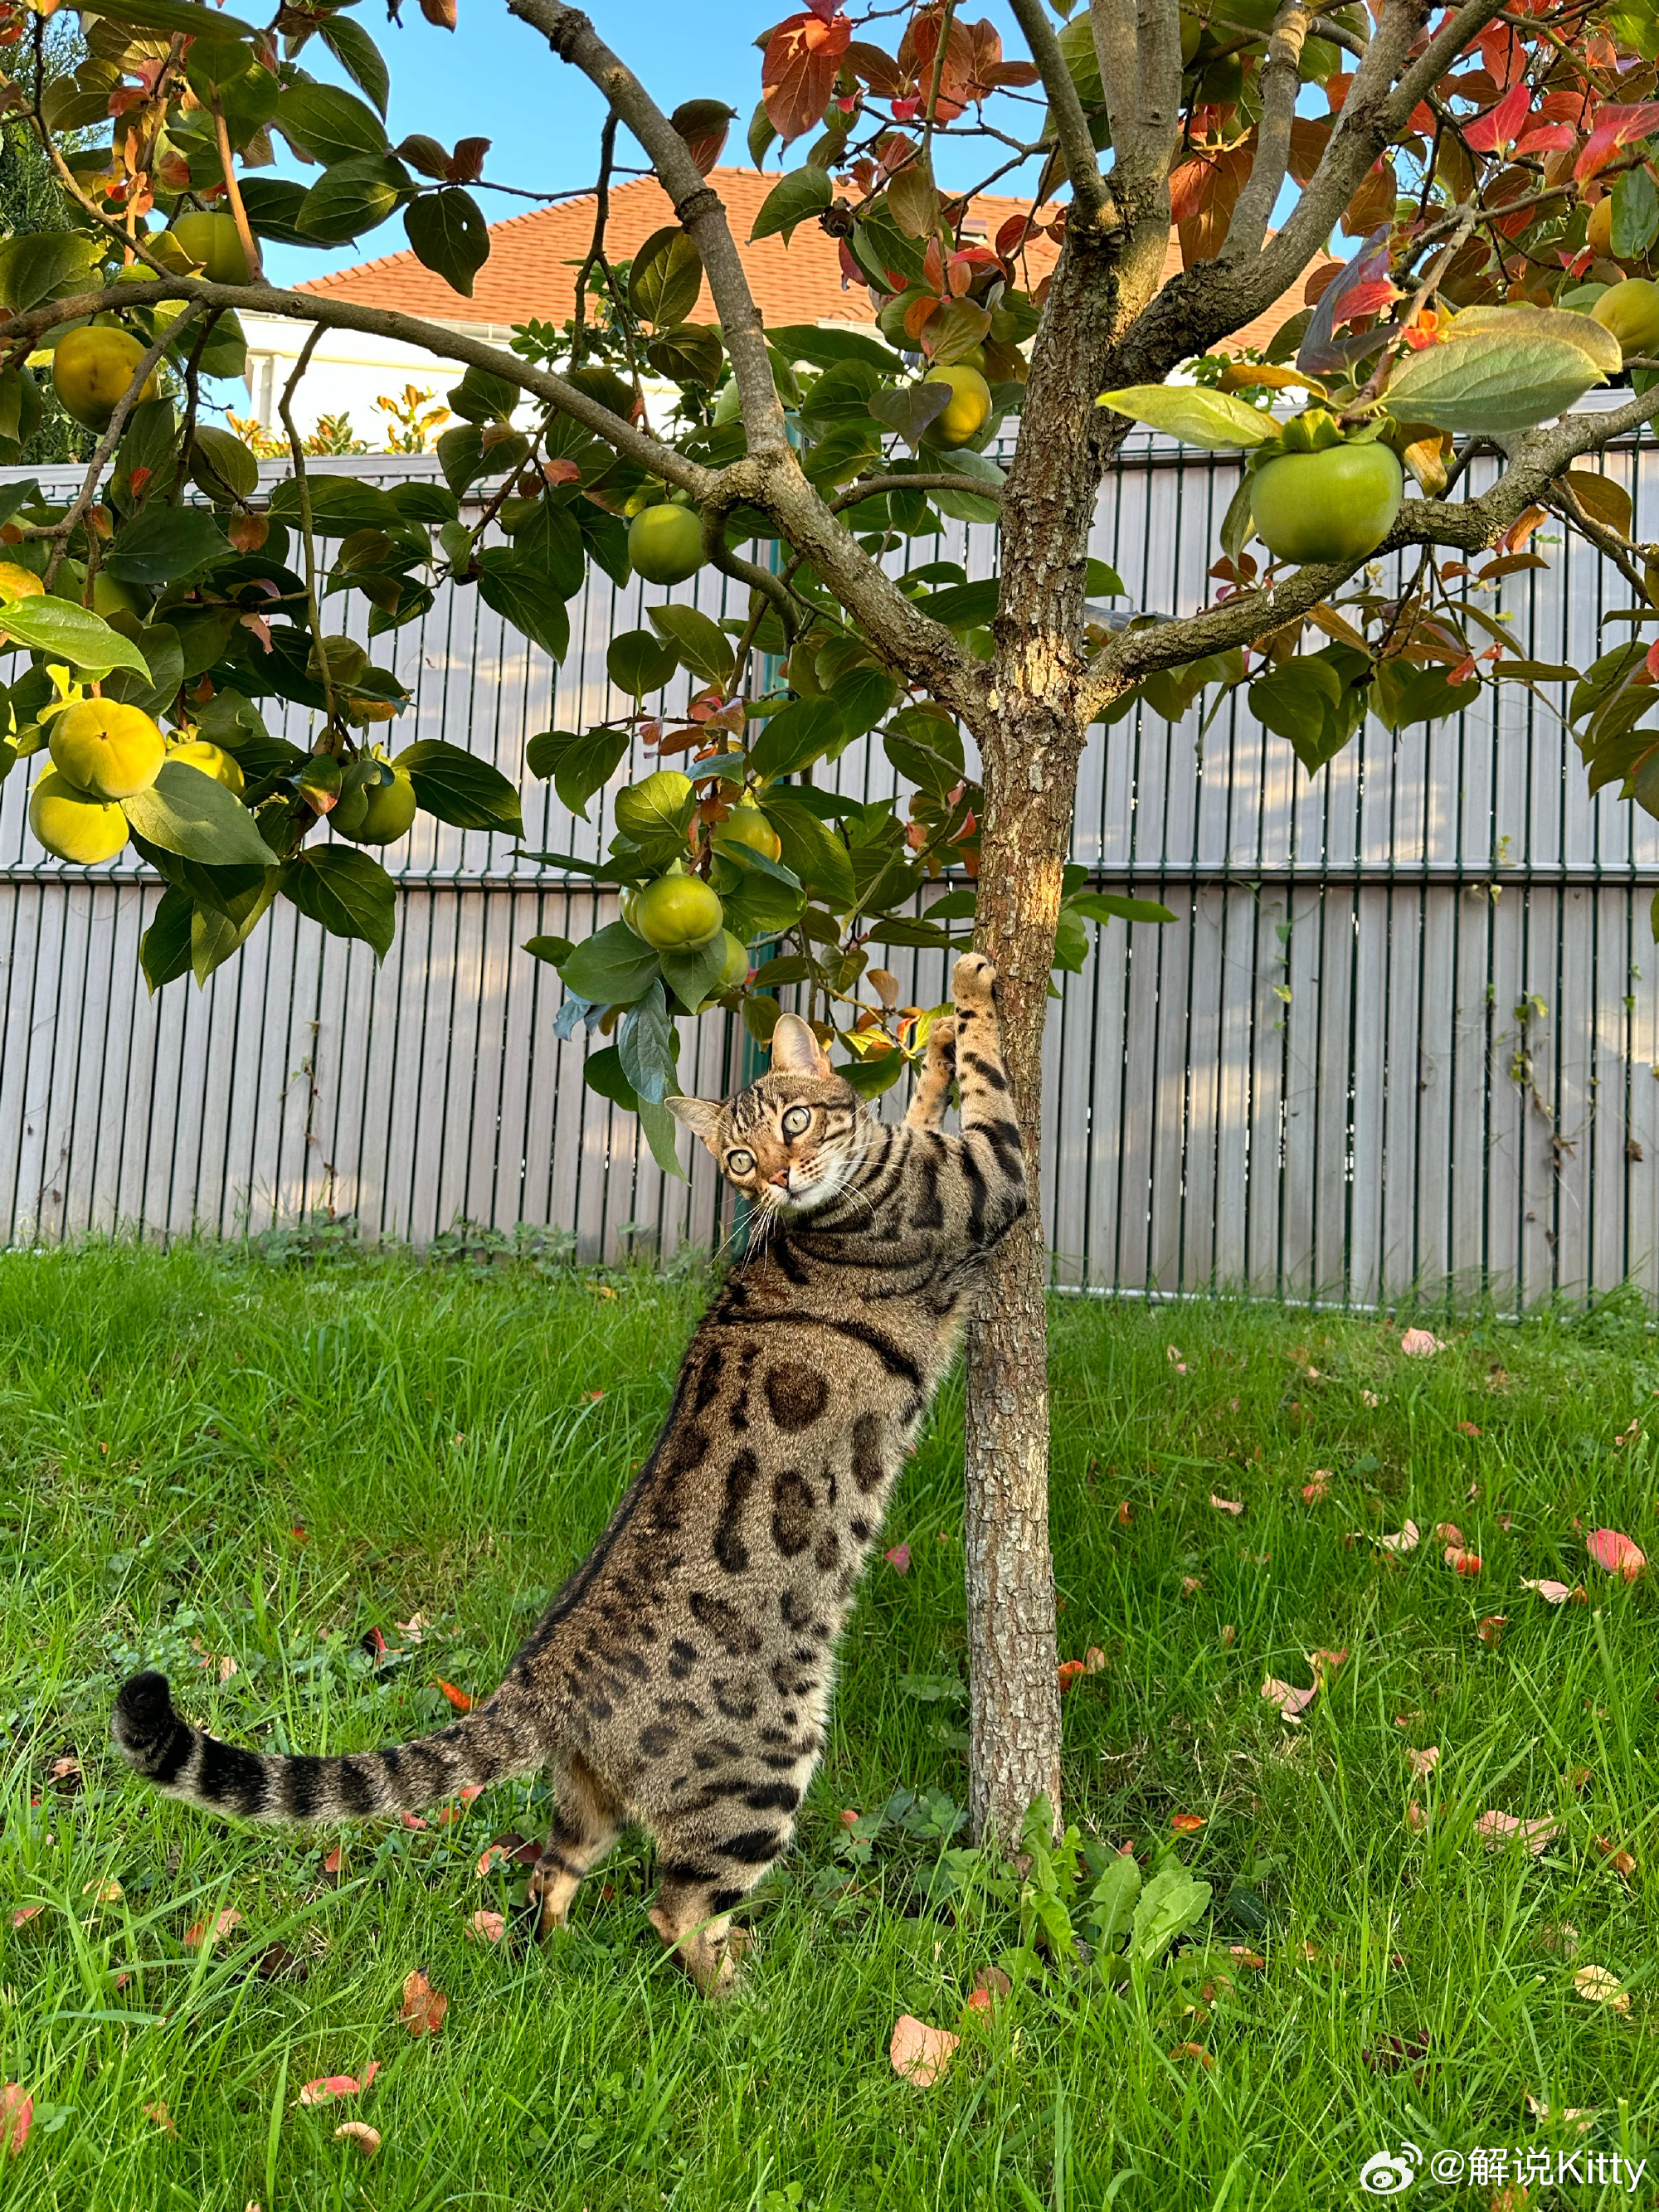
(939, 1068)
(699, 1884)
(587, 1823)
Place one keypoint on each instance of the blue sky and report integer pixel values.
(495, 78)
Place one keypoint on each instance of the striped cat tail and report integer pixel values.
(185, 1762)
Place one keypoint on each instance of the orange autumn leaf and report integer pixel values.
(423, 2007)
(1490, 1630)
(327, 2086)
(1193, 2051)
(487, 1927)
(1291, 1701)
(1498, 1828)
(367, 2139)
(1069, 1670)
(919, 2054)
(210, 1931)
(16, 2116)
(458, 1699)
(1186, 1824)
(1616, 1554)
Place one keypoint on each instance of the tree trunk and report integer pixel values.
(1014, 1687)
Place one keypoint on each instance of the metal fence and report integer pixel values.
(1398, 1034)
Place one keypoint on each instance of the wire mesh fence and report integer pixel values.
(1403, 1030)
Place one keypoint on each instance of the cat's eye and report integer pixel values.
(739, 1163)
(796, 1120)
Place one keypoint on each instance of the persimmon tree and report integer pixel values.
(1490, 165)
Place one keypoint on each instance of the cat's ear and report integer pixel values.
(699, 1115)
(795, 1050)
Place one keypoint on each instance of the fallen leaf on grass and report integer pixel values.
(1579, 2115)
(469, 1790)
(1407, 1541)
(210, 1931)
(1491, 1631)
(102, 1892)
(1497, 1828)
(1233, 1505)
(327, 2086)
(1557, 1593)
(16, 2116)
(919, 2054)
(1290, 1701)
(1186, 1824)
(1228, 1635)
(1191, 1585)
(163, 2119)
(1369, 1398)
(423, 2007)
(1461, 1562)
(411, 1821)
(1393, 2054)
(1094, 1660)
(414, 1628)
(1426, 1761)
(991, 1982)
(1560, 1936)
(458, 1699)
(1420, 1344)
(1317, 1491)
(1416, 1818)
(1467, 1429)
(1193, 2051)
(898, 1558)
(334, 1861)
(1448, 1532)
(66, 1771)
(278, 1963)
(1616, 1554)
(1597, 1986)
(1069, 1670)
(1622, 1861)
(1245, 1956)
(1325, 1664)
(487, 1927)
(367, 2139)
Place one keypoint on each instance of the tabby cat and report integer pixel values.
(681, 1679)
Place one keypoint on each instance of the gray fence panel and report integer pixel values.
(1404, 1028)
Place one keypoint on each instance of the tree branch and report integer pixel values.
(697, 207)
(1158, 121)
(1117, 55)
(296, 450)
(1437, 57)
(1089, 192)
(1281, 80)
(873, 487)
(1536, 460)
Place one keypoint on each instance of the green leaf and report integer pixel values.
(551, 544)
(906, 930)
(166, 544)
(1305, 700)
(795, 736)
(424, 502)
(352, 197)
(823, 349)
(214, 935)
(666, 277)
(272, 205)
(636, 663)
(962, 606)
(661, 1133)
(657, 808)
(909, 408)
(459, 788)
(1195, 415)
(690, 353)
(551, 949)
(46, 265)
(601, 1071)
(159, 642)
(580, 765)
(1404, 694)
(192, 814)
(612, 968)
(174, 17)
(692, 975)
(645, 1045)
(700, 643)
(762, 132)
(449, 234)
(1112, 1901)
(481, 398)
(329, 124)
(870, 1077)
(339, 505)
(75, 635)
(1172, 1903)
(1102, 581)
(1635, 213)
(769, 896)
(1111, 906)
(350, 895)
(862, 697)
(1491, 381)
(522, 595)
(803, 192)
(810, 849)
(164, 948)
(358, 55)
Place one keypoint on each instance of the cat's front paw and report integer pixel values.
(973, 982)
(942, 1041)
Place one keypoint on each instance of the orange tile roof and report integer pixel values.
(533, 259)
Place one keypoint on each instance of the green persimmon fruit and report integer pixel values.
(212, 760)
(1337, 505)
(665, 543)
(212, 241)
(1630, 312)
(746, 825)
(678, 914)
(388, 810)
(72, 824)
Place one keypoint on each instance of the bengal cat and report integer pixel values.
(681, 1679)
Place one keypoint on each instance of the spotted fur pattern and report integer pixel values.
(681, 1679)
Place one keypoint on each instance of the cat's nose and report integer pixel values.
(781, 1180)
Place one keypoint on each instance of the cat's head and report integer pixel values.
(791, 1141)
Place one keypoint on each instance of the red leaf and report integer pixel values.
(1186, 1824)
(1616, 1554)
(423, 2007)
(327, 2086)
(16, 2116)
(1617, 125)
(1291, 1701)
(465, 164)
(487, 1927)
(206, 1931)
(411, 1820)
(919, 2054)
(458, 1699)
(799, 73)
(1501, 124)
(1069, 1670)
(898, 1558)
(1490, 1630)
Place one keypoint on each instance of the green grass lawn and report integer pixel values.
(206, 1459)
